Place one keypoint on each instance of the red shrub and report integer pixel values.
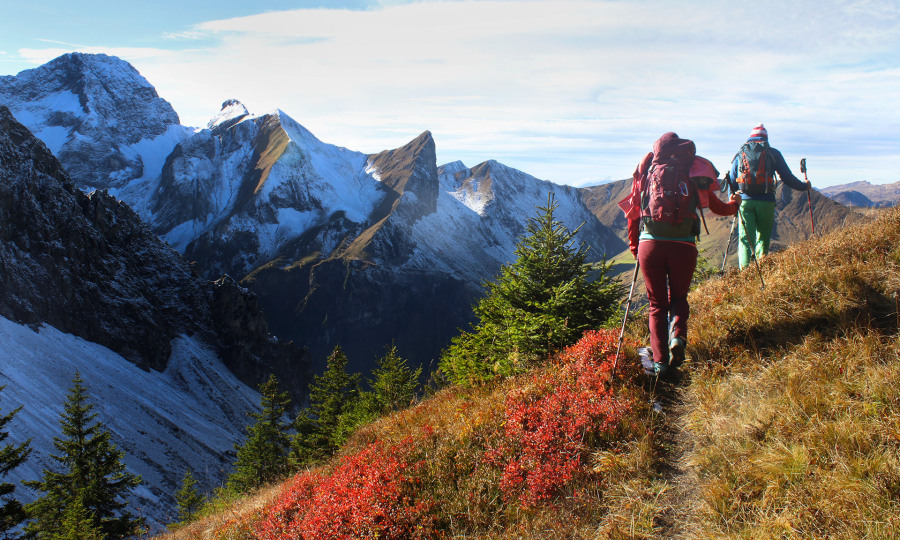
(283, 517)
(549, 422)
(367, 496)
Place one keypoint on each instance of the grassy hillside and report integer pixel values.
(792, 415)
(784, 424)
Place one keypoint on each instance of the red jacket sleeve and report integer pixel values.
(720, 207)
(634, 212)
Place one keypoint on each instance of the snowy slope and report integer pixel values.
(188, 416)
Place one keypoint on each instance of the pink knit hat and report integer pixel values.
(759, 131)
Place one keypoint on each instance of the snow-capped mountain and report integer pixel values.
(86, 286)
(98, 115)
(235, 194)
(339, 246)
(344, 247)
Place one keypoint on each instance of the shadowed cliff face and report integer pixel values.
(88, 266)
(261, 199)
(364, 308)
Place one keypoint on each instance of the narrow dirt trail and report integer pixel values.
(678, 501)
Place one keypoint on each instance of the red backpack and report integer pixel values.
(669, 196)
(756, 170)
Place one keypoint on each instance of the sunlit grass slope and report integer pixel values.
(793, 411)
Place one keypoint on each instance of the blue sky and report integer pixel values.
(573, 91)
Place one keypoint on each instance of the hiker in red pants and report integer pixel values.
(670, 184)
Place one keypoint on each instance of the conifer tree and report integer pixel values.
(263, 458)
(188, 498)
(89, 492)
(393, 387)
(394, 382)
(77, 523)
(331, 395)
(11, 456)
(541, 302)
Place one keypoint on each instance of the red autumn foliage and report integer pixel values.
(367, 496)
(550, 421)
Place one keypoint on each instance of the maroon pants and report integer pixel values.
(668, 267)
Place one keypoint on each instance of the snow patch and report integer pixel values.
(152, 152)
(372, 170)
(291, 223)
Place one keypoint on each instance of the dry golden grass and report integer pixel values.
(270, 144)
(233, 522)
(794, 405)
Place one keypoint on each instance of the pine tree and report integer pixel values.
(395, 382)
(188, 498)
(77, 524)
(263, 458)
(93, 478)
(541, 302)
(332, 395)
(11, 456)
(393, 386)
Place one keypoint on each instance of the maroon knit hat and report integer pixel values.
(759, 131)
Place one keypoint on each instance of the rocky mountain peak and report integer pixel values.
(411, 168)
(109, 90)
(232, 112)
(92, 110)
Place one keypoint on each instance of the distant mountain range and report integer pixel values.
(864, 194)
(340, 247)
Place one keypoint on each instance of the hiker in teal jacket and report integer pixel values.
(754, 169)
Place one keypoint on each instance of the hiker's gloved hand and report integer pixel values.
(634, 252)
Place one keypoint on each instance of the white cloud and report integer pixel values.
(132, 54)
(571, 91)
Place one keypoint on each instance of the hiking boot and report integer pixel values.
(676, 351)
(660, 369)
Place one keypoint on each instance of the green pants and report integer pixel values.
(759, 218)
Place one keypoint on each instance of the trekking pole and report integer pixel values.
(733, 186)
(703, 219)
(637, 265)
(808, 196)
(728, 245)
